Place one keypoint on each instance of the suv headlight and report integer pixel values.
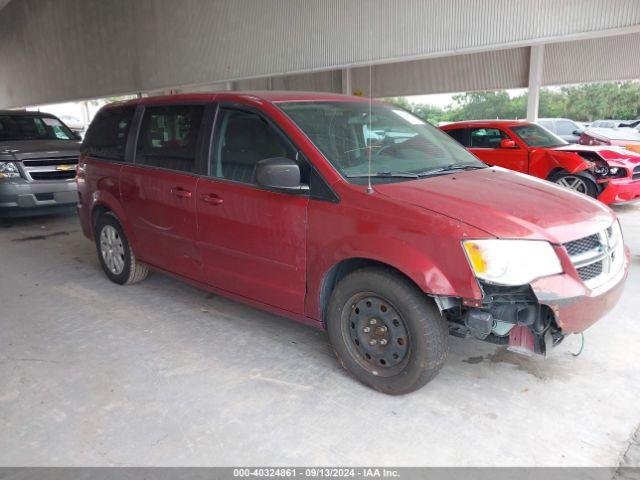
(8, 170)
(511, 262)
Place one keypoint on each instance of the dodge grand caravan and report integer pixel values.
(353, 217)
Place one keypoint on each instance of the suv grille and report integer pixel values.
(57, 168)
(636, 173)
(598, 257)
(53, 175)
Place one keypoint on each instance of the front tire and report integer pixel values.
(578, 182)
(115, 254)
(386, 332)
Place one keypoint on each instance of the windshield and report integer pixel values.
(536, 136)
(400, 145)
(33, 127)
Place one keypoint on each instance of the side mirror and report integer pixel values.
(280, 173)
(507, 143)
(77, 136)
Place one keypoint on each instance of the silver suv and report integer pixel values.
(38, 159)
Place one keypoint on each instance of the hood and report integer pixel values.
(506, 204)
(614, 155)
(25, 149)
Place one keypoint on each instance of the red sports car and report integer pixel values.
(609, 173)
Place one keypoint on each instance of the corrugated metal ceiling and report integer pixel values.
(55, 50)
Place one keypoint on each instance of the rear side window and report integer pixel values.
(566, 128)
(107, 135)
(169, 137)
(548, 124)
(487, 137)
(461, 135)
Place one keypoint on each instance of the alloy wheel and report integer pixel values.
(112, 249)
(573, 183)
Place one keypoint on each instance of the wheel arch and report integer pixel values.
(105, 203)
(97, 211)
(554, 172)
(344, 267)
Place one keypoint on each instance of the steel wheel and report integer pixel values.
(574, 183)
(112, 249)
(377, 335)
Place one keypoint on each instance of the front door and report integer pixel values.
(159, 191)
(252, 240)
(485, 144)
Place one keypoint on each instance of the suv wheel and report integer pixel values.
(385, 331)
(578, 182)
(114, 252)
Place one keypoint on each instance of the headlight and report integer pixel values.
(8, 170)
(511, 262)
(603, 170)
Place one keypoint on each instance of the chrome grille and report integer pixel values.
(598, 257)
(55, 168)
(590, 271)
(582, 245)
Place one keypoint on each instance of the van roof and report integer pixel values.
(245, 96)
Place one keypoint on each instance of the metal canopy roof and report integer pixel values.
(57, 50)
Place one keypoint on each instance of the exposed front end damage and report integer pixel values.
(510, 316)
(533, 318)
(616, 171)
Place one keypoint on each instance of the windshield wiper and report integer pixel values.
(451, 167)
(386, 174)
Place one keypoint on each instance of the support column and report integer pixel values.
(536, 61)
(346, 82)
(229, 86)
(84, 108)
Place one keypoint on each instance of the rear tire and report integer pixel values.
(115, 254)
(580, 182)
(386, 332)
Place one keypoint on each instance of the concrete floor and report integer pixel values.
(161, 373)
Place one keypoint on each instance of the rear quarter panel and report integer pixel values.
(99, 185)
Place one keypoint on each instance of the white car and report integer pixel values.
(74, 123)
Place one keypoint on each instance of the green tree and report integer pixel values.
(585, 102)
(430, 113)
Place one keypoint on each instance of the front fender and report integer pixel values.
(425, 270)
(542, 162)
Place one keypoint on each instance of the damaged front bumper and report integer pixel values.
(533, 318)
(620, 191)
(576, 307)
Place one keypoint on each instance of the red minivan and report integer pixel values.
(350, 216)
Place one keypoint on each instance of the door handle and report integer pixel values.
(181, 192)
(211, 199)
